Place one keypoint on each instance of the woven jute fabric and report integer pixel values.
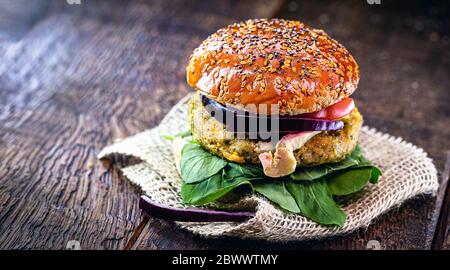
(407, 172)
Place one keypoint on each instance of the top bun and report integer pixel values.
(275, 61)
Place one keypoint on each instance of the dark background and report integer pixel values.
(74, 78)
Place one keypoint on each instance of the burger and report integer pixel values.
(272, 116)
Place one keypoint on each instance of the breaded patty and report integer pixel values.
(326, 147)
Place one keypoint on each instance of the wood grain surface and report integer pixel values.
(74, 78)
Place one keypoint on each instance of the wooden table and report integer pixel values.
(73, 78)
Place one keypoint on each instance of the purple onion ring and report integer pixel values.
(190, 214)
(287, 124)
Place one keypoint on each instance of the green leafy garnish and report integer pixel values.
(316, 202)
(209, 190)
(308, 191)
(248, 172)
(350, 181)
(182, 134)
(375, 175)
(277, 192)
(312, 199)
(316, 172)
(198, 165)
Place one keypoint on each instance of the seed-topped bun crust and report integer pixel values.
(275, 61)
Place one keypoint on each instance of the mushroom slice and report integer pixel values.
(283, 161)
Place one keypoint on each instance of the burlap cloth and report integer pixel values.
(407, 172)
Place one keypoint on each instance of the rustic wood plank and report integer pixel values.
(137, 233)
(402, 51)
(52, 188)
(74, 80)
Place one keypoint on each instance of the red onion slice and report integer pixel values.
(287, 124)
(190, 214)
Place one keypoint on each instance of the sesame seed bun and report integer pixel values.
(273, 62)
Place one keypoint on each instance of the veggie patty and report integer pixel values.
(326, 147)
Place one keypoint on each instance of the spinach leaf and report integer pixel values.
(355, 160)
(316, 202)
(276, 191)
(209, 190)
(376, 173)
(218, 185)
(250, 172)
(316, 172)
(198, 164)
(350, 181)
(357, 153)
(309, 191)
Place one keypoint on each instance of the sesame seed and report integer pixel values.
(278, 81)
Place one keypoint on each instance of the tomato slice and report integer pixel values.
(335, 111)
